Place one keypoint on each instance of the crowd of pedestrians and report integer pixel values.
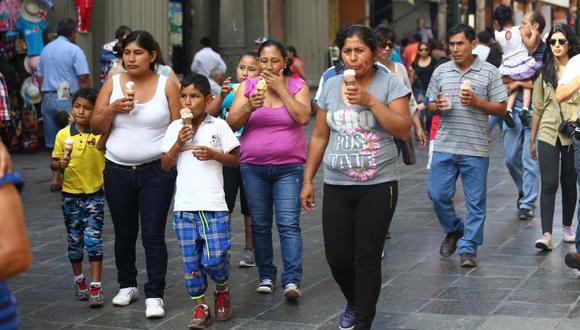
(146, 135)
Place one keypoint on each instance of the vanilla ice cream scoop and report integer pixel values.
(68, 147)
(261, 85)
(349, 77)
(130, 89)
(466, 85)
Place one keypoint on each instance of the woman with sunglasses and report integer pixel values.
(553, 150)
(386, 42)
(422, 70)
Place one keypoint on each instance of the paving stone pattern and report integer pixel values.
(514, 287)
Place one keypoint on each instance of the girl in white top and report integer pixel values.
(517, 64)
(138, 192)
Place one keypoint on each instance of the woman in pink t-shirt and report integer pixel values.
(272, 155)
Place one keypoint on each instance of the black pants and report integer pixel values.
(355, 221)
(140, 195)
(550, 158)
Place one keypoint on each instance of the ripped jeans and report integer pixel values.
(204, 241)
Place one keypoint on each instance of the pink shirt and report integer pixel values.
(271, 136)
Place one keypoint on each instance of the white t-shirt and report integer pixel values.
(482, 51)
(571, 71)
(200, 184)
(206, 60)
(512, 45)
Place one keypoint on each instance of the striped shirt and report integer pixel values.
(463, 129)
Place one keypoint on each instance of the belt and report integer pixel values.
(49, 92)
(125, 167)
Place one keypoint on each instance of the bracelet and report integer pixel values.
(307, 182)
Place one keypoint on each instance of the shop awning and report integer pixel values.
(559, 3)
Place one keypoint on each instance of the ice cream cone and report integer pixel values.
(186, 116)
(68, 147)
(349, 77)
(466, 85)
(130, 89)
(261, 86)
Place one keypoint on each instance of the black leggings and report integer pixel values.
(355, 220)
(549, 158)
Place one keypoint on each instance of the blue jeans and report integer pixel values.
(140, 196)
(445, 169)
(51, 105)
(522, 168)
(494, 121)
(278, 188)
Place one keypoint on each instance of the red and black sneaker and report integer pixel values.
(201, 317)
(81, 290)
(96, 297)
(223, 307)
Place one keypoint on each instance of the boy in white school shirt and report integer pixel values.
(200, 217)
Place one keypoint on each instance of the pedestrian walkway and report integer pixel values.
(514, 287)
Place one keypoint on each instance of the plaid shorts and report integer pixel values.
(204, 239)
(83, 218)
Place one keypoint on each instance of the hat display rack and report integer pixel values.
(24, 92)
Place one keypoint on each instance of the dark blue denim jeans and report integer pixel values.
(140, 195)
(275, 188)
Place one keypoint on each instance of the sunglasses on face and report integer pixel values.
(562, 42)
(389, 45)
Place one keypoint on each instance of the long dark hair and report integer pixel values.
(280, 46)
(549, 66)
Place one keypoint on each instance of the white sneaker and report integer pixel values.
(154, 308)
(291, 291)
(545, 243)
(126, 296)
(569, 235)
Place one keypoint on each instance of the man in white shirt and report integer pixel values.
(206, 59)
(482, 49)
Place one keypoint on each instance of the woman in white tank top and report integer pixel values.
(138, 192)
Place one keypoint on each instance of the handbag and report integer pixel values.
(408, 151)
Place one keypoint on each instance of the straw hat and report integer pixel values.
(30, 91)
(30, 11)
(31, 64)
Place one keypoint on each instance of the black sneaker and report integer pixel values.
(526, 214)
(572, 260)
(509, 120)
(525, 118)
(468, 260)
(449, 244)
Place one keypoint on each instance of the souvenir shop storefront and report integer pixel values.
(22, 37)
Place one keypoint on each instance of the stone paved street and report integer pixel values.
(514, 287)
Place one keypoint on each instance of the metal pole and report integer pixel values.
(455, 9)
